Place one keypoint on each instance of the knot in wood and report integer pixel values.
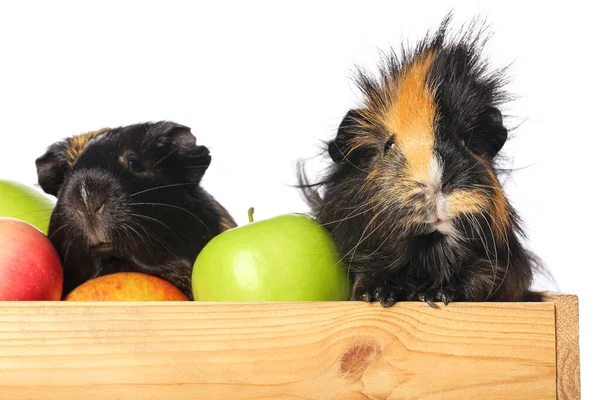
(355, 361)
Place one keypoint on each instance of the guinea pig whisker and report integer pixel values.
(504, 276)
(501, 204)
(67, 252)
(349, 182)
(141, 227)
(171, 206)
(479, 230)
(495, 254)
(183, 167)
(371, 254)
(138, 233)
(363, 237)
(476, 185)
(472, 167)
(348, 160)
(194, 166)
(465, 230)
(506, 243)
(117, 237)
(361, 240)
(349, 217)
(161, 187)
(127, 233)
(462, 234)
(352, 206)
(58, 230)
(168, 154)
(155, 220)
(130, 228)
(96, 273)
(152, 237)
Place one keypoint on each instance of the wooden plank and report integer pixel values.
(345, 350)
(568, 379)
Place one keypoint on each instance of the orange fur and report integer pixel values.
(411, 118)
(407, 110)
(499, 210)
(467, 202)
(77, 144)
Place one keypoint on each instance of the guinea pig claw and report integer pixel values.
(431, 303)
(386, 295)
(445, 299)
(388, 300)
(373, 290)
(427, 297)
(366, 297)
(445, 296)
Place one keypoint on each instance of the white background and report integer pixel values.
(261, 83)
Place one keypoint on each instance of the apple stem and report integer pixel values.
(251, 214)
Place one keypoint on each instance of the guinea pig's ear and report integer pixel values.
(492, 131)
(193, 159)
(52, 167)
(176, 134)
(339, 147)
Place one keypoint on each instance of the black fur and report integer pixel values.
(144, 210)
(390, 259)
(52, 167)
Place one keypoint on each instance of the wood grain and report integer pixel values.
(568, 379)
(345, 350)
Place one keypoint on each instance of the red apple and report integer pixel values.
(126, 286)
(30, 268)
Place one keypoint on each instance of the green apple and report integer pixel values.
(286, 258)
(25, 203)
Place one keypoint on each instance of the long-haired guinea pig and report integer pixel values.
(129, 199)
(412, 196)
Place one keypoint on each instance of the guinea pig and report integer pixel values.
(411, 193)
(129, 199)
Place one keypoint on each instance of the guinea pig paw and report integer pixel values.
(385, 295)
(431, 296)
(362, 294)
(445, 297)
(365, 296)
(382, 292)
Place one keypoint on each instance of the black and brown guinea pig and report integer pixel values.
(412, 196)
(129, 199)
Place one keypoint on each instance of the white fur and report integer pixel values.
(441, 206)
(446, 228)
(84, 195)
(436, 172)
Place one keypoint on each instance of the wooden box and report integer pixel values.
(329, 350)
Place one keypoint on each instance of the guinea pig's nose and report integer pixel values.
(95, 205)
(100, 209)
(92, 202)
(428, 188)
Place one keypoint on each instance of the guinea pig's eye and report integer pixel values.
(389, 145)
(134, 163)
